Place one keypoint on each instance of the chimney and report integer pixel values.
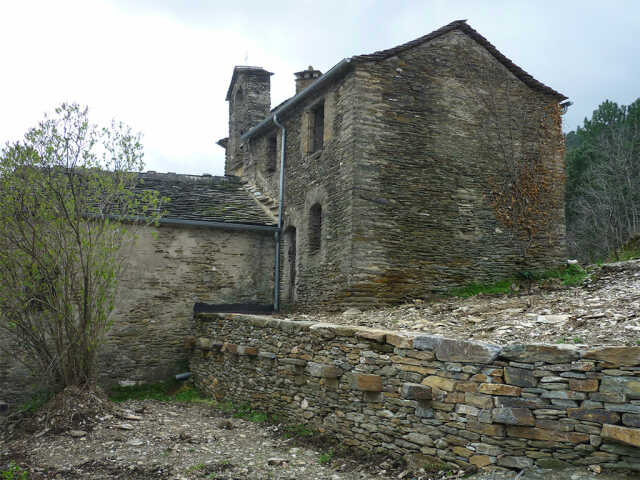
(306, 78)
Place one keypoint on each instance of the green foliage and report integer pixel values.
(297, 430)
(570, 276)
(170, 391)
(14, 472)
(62, 249)
(36, 401)
(326, 457)
(499, 288)
(603, 181)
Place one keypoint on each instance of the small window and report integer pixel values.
(272, 153)
(317, 127)
(315, 228)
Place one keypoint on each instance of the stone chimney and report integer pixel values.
(306, 78)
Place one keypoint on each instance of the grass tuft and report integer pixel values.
(570, 276)
(14, 472)
(170, 391)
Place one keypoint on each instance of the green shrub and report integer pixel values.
(14, 472)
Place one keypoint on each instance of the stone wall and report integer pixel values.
(170, 269)
(448, 119)
(324, 177)
(433, 398)
(413, 147)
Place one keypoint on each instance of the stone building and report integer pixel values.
(393, 169)
(392, 162)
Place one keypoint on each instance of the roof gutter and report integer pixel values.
(197, 223)
(335, 72)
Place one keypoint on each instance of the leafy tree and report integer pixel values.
(64, 191)
(603, 181)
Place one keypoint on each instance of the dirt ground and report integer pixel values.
(159, 440)
(149, 439)
(603, 311)
(139, 440)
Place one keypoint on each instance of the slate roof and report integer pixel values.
(345, 65)
(205, 198)
(464, 27)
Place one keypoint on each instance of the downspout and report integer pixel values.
(276, 282)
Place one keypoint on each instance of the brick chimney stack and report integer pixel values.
(306, 78)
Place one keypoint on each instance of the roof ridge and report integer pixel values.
(464, 27)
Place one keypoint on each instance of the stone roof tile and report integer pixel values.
(205, 198)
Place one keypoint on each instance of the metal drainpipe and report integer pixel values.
(276, 294)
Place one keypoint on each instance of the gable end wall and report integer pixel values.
(423, 220)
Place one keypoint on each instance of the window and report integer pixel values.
(315, 228)
(317, 127)
(272, 153)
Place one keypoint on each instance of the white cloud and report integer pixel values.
(163, 67)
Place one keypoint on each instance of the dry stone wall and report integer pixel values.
(427, 396)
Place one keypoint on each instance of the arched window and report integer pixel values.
(315, 228)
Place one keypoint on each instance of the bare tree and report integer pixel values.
(62, 248)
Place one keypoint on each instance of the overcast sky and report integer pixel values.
(163, 67)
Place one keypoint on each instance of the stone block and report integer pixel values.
(499, 389)
(515, 462)
(610, 397)
(424, 410)
(628, 436)
(400, 341)
(478, 400)
(481, 460)
(463, 409)
(596, 415)
(378, 336)
(462, 452)
(554, 425)
(513, 416)
(441, 383)
(204, 343)
(419, 439)
(323, 371)
(267, 355)
(520, 377)
(623, 408)
(367, 382)
(631, 420)
(323, 330)
(427, 342)
(489, 429)
(518, 402)
(416, 391)
(298, 362)
(586, 385)
(230, 348)
(540, 353)
(534, 433)
(450, 350)
(249, 351)
(466, 387)
(486, 449)
(630, 386)
(564, 395)
(621, 356)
